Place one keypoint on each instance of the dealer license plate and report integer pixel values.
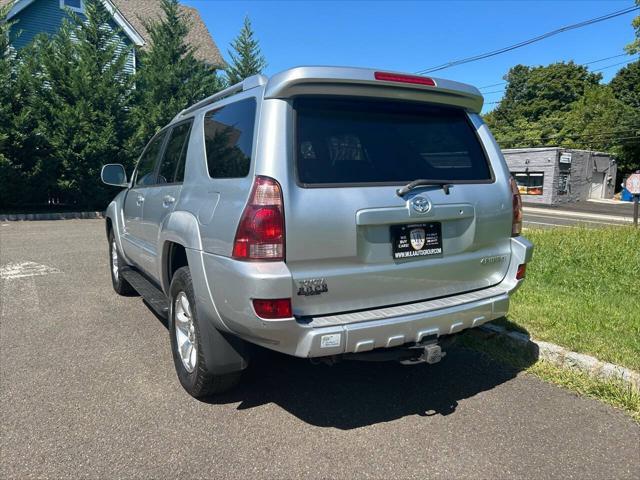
(416, 240)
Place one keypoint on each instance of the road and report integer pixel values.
(88, 390)
(588, 215)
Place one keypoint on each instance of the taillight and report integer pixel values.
(260, 234)
(273, 309)
(522, 271)
(516, 224)
(402, 78)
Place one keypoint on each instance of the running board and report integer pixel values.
(156, 299)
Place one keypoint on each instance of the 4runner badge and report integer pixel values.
(494, 259)
(313, 286)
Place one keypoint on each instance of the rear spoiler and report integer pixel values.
(372, 83)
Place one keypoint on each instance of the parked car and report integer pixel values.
(323, 213)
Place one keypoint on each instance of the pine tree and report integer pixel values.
(22, 148)
(82, 103)
(7, 80)
(246, 57)
(170, 78)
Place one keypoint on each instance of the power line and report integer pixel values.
(529, 41)
(614, 65)
(614, 141)
(599, 134)
(606, 58)
(492, 85)
(592, 71)
(579, 64)
(609, 137)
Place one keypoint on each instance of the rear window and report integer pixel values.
(228, 137)
(368, 141)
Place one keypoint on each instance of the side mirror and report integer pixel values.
(114, 174)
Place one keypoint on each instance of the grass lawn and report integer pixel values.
(583, 292)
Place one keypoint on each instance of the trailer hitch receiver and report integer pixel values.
(431, 353)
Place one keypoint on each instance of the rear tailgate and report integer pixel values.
(353, 243)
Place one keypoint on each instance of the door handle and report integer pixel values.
(167, 201)
(140, 200)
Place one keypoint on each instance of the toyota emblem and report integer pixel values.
(421, 204)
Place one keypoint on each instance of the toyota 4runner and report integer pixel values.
(323, 213)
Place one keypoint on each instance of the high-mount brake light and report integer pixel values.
(402, 78)
(260, 234)
(516, 224)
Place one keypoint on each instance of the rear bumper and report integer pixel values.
(385, 327)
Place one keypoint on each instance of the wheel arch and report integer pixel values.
(180, 231)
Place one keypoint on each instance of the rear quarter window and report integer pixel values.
(360, 141)
(228, 135)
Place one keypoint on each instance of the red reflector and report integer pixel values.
(522, 271)
(401, 78)
(273, 309)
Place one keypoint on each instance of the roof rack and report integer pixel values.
(247, 84)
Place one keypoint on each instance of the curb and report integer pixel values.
(561, 357)
(16, 217)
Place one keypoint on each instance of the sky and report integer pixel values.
(411, 36)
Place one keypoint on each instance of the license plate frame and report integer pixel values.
(405, 239)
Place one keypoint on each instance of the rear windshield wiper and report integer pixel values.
(421, 182)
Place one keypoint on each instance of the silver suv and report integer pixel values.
(323, 213)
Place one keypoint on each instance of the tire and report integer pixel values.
(116, 264)
(194, 375)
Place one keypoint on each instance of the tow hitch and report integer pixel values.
(428, 351)
(430, 354)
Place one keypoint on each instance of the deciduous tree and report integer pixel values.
(634, 46)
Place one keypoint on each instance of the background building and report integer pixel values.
(553, 175)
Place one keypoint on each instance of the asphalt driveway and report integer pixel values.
(87, 389)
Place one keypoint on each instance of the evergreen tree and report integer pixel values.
(7, 80)
(246, 57)
(23, 150)
(82, 101)
(170, 78)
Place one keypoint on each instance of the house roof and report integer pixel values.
(131, 15)
(139, 11)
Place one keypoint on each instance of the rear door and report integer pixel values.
(353, 242)
(160, 199)
(144, 178)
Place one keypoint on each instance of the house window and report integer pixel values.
(75, 5)
(529, 183)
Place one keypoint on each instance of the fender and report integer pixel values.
(178, 227)
(114, 213)
(183, 228)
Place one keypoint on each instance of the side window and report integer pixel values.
(228, 136)
(146, 164)
(174, 154)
